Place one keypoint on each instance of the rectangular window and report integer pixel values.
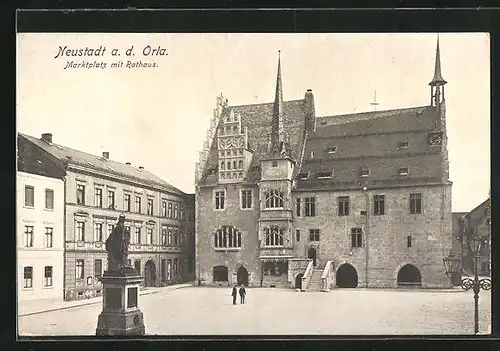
(219, 200)
(28, 235)
(176, 211)
(310, 206)
(137, 204)
(313, 234)
(137, 265)
(164, 208)
(98, 197)
(403, 144)
(415, 203)
(98, 268)
(169, 210)
(80, 272)
(297, 234)
(403, 171)
(126, 202)
(110, 227)
(29, 196)
(49, 235)
(176, 233)
(47, 276)
(379, 205)
(169, 238)
(28, 277)
(356, 237)
(80, 194)
(408, 241)
(163, 236)
(297, 207)
(181, 211)
(246, 199)
(343, 205)
(332, 150)
(137, 235)
(49, 199)
(98, 232)
(364, 172)
(149, 236)
(274, 199)
(150, 206)
(111, 199)
(80, 231)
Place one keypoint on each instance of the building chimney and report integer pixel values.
(128, 163)
(141, 167)
(310, 115)
(47, 137)
(105, 155)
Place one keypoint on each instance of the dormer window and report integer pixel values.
(364, 172)
(324, 175)
(303, 176)
(332, 149)
(404, 144)
(403, 171)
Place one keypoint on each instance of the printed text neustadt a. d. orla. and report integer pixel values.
(101, 50)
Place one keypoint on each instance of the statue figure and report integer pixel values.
(117, 246)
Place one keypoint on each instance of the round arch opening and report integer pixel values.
(409, 276)
(298, 281)
(242, 276)
(346, 276)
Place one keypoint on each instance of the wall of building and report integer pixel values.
(39, 256)
(387, 234)
(90, 249)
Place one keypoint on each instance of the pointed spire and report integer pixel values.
(438, 78)
(277, 131)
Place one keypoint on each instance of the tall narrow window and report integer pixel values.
(408, 241)
(163, 208)
(163, 269)
(98, 197)
(47, 276)
(110, 227)
(310, 207)
(28, 277)
(169, 237)
(176, 234)
(246, 199)
(137, 204)
(379, 205)
(297, 207)
(80, 272)
(98, 232)
(415, 203)
(343, 205)
(163, 235)
(149, 236)
(176, 211)
(80, 231)
(297, 234)
(176, 266)
(126, 202)
(181, 211)
(240, 164)
(49, 234)
(219, 200)
(169, 269)
(28, 235)
(137, 266)
(150, 206)
(169, 210)
(29, 196)
(356, 237)
(97, 268)
(49, 199)
(137, 235)
(314, 235)
(80, 194)
(111, 199)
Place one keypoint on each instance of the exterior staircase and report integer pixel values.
(315, 284)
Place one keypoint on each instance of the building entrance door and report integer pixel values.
(150, 274)
(311, 253)
(242, 276)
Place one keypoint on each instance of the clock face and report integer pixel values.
(435, 139)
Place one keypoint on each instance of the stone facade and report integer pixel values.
(388, 168)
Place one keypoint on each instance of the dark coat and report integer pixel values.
(234, 293)
(243, 292)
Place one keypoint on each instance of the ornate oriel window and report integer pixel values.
(274, 236)
(227, 236)
(274, 199)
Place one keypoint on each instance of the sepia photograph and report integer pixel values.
(196, 184)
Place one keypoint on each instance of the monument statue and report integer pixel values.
(117, 246)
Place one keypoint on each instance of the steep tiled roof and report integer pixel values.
(258, 119)
(76, 157)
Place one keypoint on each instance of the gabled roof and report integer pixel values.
(79, 158)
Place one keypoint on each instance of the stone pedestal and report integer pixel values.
(120, 313)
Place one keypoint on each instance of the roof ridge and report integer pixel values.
(264, 103)
(405, 109)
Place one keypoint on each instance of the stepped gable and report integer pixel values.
(79, 158)
(372, 140)
(258, 119)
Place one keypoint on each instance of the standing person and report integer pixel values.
(234, 294)
(242, 294)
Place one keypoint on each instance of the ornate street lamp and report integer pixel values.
(452, 267)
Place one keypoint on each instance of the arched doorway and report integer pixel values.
(298, 281)
(242, 276)
(409, 276)
(346, 276)
(150, 274)
(220, 274)
(311, 253)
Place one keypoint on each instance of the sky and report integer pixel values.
(157, 117)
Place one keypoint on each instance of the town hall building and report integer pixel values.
(285, 198)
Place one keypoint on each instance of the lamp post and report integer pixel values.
(452, 264)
